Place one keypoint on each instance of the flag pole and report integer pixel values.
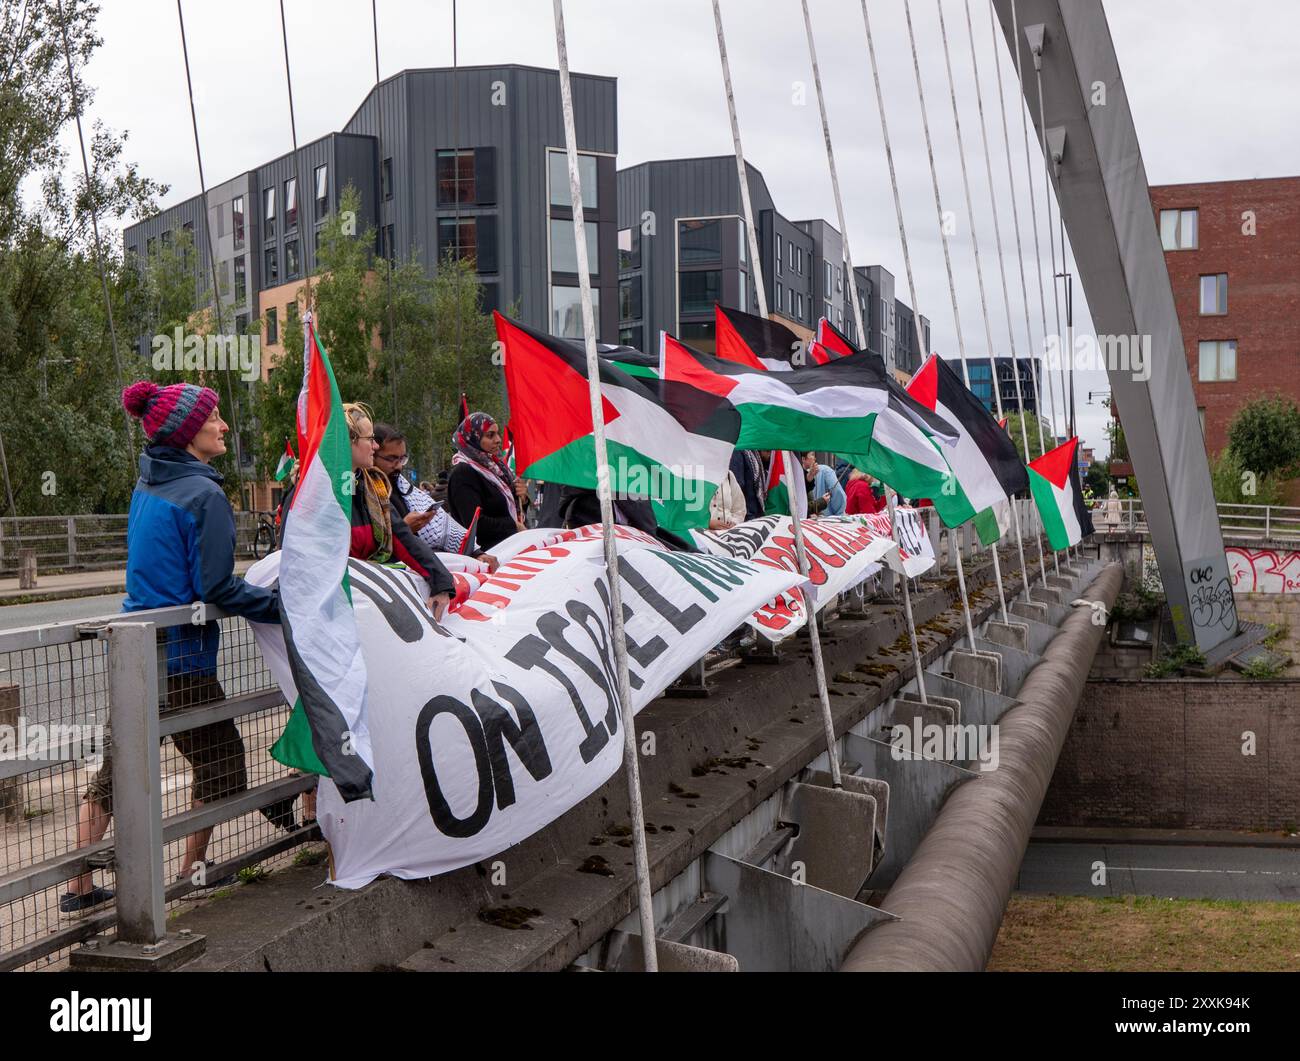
(630, 762)
(792, 483)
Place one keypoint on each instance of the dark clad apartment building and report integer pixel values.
(683, 247)
(468, 162)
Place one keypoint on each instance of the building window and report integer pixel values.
(779, 270)
(566, 311)
(272, 326)
(699, 241)
(290, 204)
(241, 280)
(839, 278)
(272, 269)
(793, 259)
(457, 238)
(322, 191)
(629, 299)
(386, 179)
(237, 217)
(741, 241)
(290, 259)
(629, 248)
(631, 335)
(744, 293)
(826, 287)
(559, 174)
(1218, 361)
(1178, 230)
(700, 334)
(798, 304)
(268, 213)
(564, 249)
(1214, 295)
(456, 178)
(779, 295)
(699, 290)
(387, 248)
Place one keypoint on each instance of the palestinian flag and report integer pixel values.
(1058, 493)
(755, 341)
(668, 442)
(285, 468)
(848, 406)
(985, 463)
(327, 732)
(824, 407)
(507, 448)
(779, 469)
(628, 358)
(838, 343)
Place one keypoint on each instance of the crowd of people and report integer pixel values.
(181, 549)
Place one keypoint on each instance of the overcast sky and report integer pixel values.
(1213, 89)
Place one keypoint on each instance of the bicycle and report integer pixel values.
(264, 536)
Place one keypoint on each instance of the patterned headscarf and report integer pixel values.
(468, 440)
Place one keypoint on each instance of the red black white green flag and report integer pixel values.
(327, 732)
(1058, 493)
(986, 465)
(668, 442)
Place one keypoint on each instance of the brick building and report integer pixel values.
(1233, 253)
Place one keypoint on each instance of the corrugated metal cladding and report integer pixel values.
(515, 111)
(509, 114)
(681, 188)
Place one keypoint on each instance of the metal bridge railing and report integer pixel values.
(85, 542)
(1266, 523)
(71, 692)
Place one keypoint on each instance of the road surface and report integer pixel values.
(1168, 871)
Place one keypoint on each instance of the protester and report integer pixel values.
(480, 481)
(863, 497)
(750, 470)
(580, 507)
(727, 506)
(181, 549)
(825, 494)
(415, 505)
(378, 533)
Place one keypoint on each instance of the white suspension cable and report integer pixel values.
(891, 495)
(630, 760)
(1006, 292)
(979, 271)
(1024, 287)
(952, 284)
(1038, 257)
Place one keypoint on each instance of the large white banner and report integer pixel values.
(490, 725)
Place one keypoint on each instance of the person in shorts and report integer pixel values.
(181, 549)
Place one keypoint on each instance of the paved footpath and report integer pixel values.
(74, 584)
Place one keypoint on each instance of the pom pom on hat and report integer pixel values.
(170, 416)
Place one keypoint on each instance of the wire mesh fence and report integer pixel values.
(219, 712)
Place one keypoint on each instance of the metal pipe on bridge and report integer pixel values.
(951, 895)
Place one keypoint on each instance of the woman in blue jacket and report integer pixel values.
(180, 541)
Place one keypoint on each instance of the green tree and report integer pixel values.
(1264, 436)
(406, 345)
(60, 414)
(1235, 484)
(1031, 427)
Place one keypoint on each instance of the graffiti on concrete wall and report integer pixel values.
(1263, 570)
